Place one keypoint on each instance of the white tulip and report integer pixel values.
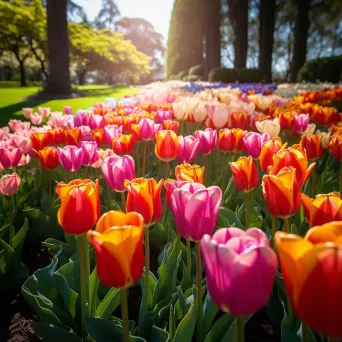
(200, 113)
(325, 139)
(310, 129)
(179, 110)
(191, 104)
(220, 115)
(272, 127)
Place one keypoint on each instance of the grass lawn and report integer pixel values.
(12, 99)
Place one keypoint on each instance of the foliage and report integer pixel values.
(197, 70)
(192, 78)
(249, 76)
(223, 75)
(107, 16)
(182, 74)
(323, 69)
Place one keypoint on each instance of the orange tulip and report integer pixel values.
(286, 120)
(245, 174)
(312, 271)
(268, 150)
(80, 205)
(231, 140)
(240, 120)
(48, 157)
(55, 136)
(323, 209)
(166, 145)
(123, 145)
(98, 136)
(172, 125)
(282, 193)
(39, 141)
(294, 156)
(190, 173)
(73, 136)
(313, 145)
(335, 147)
(144, 197)
(325, 116)
(117, 242)
(135, 130)
(129, 121)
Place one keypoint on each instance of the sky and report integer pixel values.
(157, 12)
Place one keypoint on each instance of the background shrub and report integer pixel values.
(223, 75)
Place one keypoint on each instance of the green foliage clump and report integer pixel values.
(192, 78)
(249, 76)
(182, 74)
(225, 75)
(197, 70)
(323, 69)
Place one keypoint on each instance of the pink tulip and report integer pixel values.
(208, 139)
(10, 158)
(148, 129)
(170, 186)
(36, 119)
(164, 115)
(90, 155)
(67, 110)
(4, 133)
(118, 169)
(1, 168)
(44, 111)
(86, 133)
(196, 209)
(71, 157)
(96, 121)
(187, 150)
(240, 267)
(218, 114)
(17, 125)
(25, 160)
(102, 154)
(253, 142)
(57, 120)
(27, 112)
(301, 122)
(9, 184)
(170, 98)
(19, 141)
(112, 132)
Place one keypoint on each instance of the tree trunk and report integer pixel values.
(22, 73)
(266, 31)
(238, 13)
(81, 77)
(58, 48)
(301, 36)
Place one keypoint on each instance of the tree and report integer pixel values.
(266, 31)
(108, 15)
(58, 48)
(185, 39)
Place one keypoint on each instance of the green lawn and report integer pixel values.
(12, 99)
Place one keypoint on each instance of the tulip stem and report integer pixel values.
(124, 314)
(144, 160)
(147, 264)
(138, 159)
(82, 279)
(314, 182)
(188, 258)
(240, 329)
(286, 224)
(123, 201)
(199, 293)
(167, 170)
(87, 265)
(86, 172)
(223, 180)
(50, 191)
(305, 332)
(10, 214)
(341, 177)
(247, 209)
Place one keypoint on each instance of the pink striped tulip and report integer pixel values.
(196, 209)
(96, 121)
(187, 150)
(218, 114)
(36, 119)
(253, 142)
(9, 184)
(27, 112)
(148, 129)
(116, 170)
(112, 132)
(10, 158)
(208, 139)
(71, 157)
(240, 267)
(90, 155)
(301, 122)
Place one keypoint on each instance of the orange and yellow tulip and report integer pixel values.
(240, 120)
(166, 148)
(48, 157)
(55, 136)
(39, 141)
(172, 125)
(323, 209)
(190, 173)
(123, 145)
(144, 197)
(313, 145)
(73, 136)
(335, 147)
(282, 193)
(286, 120)
(98, 136)
(118, 245)
(80, 205)
(294, 156)
(268, 150)
(245, 174)
(231, 140)
(312, 271)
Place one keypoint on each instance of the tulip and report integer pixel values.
(172, 125)
(96, 121)
(89, 149)
(170, 185)
(116, 170)
(218, 114)
(123, 145)
(310, 129)
(335, 147)
(36, 119)
(207, 140)
(27, 112)
(48, 157)
(191, 104)
(323, 209)
(179, 110)
(55, 136)
(80, 205)
(81, 119)
(240, 120)
(112, 132)
(301, 122)
(38, 141)
(148, 129)
(245, 174)
(287, 120)
(71, 157)
(282, 193)
(272, 127)
(17, 125)
(44, 111)
(163, 115)
(253, 142)
(117, 242)
(200, 113)
(233, 260)
(144, 197)
(18, 141)
(188, 147)
(325, 116)
(166, 148)
(313, 146)
(231, 140)
(268, 150)
(25, 160)
(190, 173)
(73, 136)
(9, 184)
(312, 272)
(10, 158)
(67, 110)
(196, 209)
(294, 156)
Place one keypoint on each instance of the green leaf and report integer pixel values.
(52, 333)
(227, 218)
(172, 323)
(64, 250)
(219, 329)
(231, 333)
(180, 308)
(186, 327)
(210, 310)
(109, 303)
(19, 238)
(94, 283)
(159, 335)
